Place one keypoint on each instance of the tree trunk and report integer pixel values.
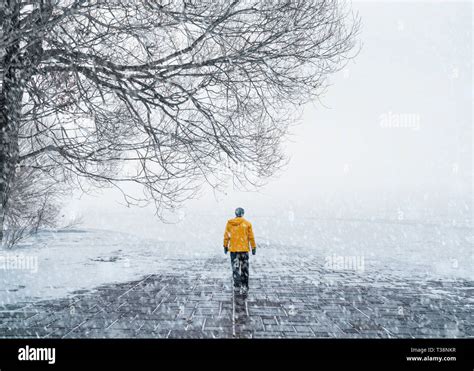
(11, 94)
(16, 67)
(10, 108)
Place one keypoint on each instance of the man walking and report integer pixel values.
(238, 236)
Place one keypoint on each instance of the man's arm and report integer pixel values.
(227, 236)
(252, 238)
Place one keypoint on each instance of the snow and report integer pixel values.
(82, 259)
(67, 261)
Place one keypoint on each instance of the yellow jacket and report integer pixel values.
(239, 233)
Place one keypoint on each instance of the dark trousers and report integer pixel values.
(240, 268)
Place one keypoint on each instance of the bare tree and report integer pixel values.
(166, 94)
(34, 203)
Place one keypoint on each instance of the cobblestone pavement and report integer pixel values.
(290, 297)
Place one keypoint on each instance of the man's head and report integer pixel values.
(239, 212)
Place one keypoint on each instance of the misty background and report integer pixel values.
(381, 167)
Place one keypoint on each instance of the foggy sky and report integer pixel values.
(397, 120)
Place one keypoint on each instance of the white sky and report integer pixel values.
(415, 64)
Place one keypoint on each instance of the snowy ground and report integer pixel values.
(63, 262)
(57, 263)
(293, 294)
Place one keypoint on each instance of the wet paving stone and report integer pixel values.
(294, 297)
